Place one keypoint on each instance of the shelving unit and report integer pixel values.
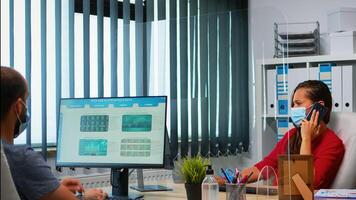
(266, 121)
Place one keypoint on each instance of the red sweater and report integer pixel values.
(327, 150)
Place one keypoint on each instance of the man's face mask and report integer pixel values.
(22, 121)
(298, 114)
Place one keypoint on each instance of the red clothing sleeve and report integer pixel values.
(272, 158)
(327, 150)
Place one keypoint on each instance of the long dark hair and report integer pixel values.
(316, 91)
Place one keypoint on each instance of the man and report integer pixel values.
(31, 174)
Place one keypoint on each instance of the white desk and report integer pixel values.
(179, 193)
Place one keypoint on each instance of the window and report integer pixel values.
(195, 52)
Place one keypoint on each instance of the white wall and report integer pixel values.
(263, 13)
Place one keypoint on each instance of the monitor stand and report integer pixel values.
(147, 188)
(120, 185)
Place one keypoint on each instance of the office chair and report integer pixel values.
(344, 125)
(8, 189)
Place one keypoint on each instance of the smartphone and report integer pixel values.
(322, 111)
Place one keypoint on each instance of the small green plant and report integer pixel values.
(193, 169)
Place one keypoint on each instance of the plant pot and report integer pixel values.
(193, 191)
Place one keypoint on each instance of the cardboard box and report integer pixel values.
(343, 43)
(342, 19)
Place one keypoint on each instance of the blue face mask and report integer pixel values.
(21, 124)
(298, 114)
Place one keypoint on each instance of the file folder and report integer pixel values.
(331, 75)
(283, 125)
(271, 92)
(336, 88)
(296, 76)
(348, 88)
(282, 89)
(325, 74)
(313, 73)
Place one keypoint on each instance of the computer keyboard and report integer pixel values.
(114, 198)
(124, 198)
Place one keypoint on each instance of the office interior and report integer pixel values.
(215, 60)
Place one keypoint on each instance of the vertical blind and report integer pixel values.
(209, 64)
(193, 51)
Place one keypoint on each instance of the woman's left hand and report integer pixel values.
(310, 129)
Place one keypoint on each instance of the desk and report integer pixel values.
(178, 193)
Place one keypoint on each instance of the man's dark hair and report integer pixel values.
(13, 86)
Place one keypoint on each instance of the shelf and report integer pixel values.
(293, 36)
(274, 116)
(308, 59)
(296, 49)
(282, 116)
(297, 43)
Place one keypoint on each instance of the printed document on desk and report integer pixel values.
(336, 194)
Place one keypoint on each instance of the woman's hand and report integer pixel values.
(73, 185)
(220, 180)
(310, 129)
(95, 194)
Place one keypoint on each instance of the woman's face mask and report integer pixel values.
(22, 121)
(298, 114)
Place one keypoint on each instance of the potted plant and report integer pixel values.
(193, 172)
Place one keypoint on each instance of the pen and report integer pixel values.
(249, 176)
(226, 176)
(245, 179)
(236, 170)
(236, 176)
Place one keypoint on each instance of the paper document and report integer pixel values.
(336, 193)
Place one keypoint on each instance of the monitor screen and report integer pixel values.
(112, 132)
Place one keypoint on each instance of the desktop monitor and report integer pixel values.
(117, 133)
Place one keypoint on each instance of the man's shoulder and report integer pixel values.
(17, 150)
(31, 173)
(22, 154)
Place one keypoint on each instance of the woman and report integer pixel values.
(308, 138)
